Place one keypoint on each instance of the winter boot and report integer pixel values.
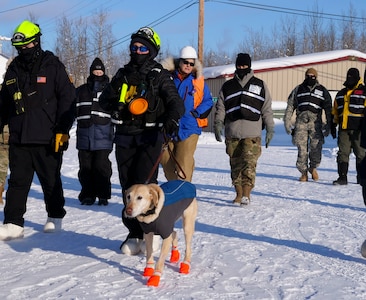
(52, 225)
(314, 174)
(342, 172)
(239, 194)
(303, 177)
(11, 231)
(131, 246)
(103, 201)
(245, 200)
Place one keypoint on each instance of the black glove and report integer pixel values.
(333, 130)
(171, 128)
(218, 129)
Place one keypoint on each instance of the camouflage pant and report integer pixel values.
(309, 139)
(244, 154)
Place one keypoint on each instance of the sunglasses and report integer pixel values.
(142, 49)
(188, 63)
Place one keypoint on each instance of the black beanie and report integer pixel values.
(353, 73)
(97, 65)
(353, 76)
(153, 51)
(243, 59)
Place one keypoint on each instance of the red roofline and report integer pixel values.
(348, 57)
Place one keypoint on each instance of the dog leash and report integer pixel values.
(164, 147)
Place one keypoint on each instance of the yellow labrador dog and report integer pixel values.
(157, 208)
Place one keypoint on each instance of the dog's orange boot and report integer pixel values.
(154, 280)
(175, 255)
(148, 272)
(185, 267)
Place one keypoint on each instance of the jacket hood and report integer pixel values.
(170, 63)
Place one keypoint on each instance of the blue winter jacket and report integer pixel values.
(188, 123)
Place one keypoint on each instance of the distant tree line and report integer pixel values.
(295, 37)
(80, 41)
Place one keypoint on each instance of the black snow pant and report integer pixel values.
(24, 161)
(136, 157)
(95, 171)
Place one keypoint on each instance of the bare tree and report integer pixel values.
(348, 37)
(330, 37)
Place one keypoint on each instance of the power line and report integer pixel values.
(155, 23)
(23, 6)
(292, 11)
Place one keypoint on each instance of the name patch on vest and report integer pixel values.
(255, 89)
(318, 92)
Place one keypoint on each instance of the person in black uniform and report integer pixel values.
(94, 138)
(145, 104)
(37, 101)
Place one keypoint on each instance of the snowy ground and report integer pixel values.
(294, 241)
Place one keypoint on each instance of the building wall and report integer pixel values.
(331, 75)
(282, 81)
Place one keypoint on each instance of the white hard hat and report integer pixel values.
(188, 52)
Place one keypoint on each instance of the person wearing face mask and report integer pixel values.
(37, 101)
(145, 105)
(348, 113)
(309, 100)
(245, 107)
(94, 138)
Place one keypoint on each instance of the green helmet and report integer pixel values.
(149, 35)
(25, 33)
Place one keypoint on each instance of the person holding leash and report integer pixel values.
(144, 104)
(188, 78)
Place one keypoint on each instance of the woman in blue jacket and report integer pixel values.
(189, 80)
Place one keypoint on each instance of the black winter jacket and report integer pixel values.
(94, 127)
(164, 102)
(45, 101)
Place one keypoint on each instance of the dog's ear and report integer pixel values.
(155, 193)
(124, 194)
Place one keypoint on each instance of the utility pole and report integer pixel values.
(200, 30)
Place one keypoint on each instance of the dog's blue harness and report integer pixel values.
(179, 195)
(177, 190)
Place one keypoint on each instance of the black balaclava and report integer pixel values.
(29, 55)
(140, 59)
(312, 79)
(97, 64)
(243, 59)
(353, 76)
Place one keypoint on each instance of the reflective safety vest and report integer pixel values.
(349, 106)
(243, 102)
(310, 100)
(199, 84)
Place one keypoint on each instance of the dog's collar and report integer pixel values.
(151, 211)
